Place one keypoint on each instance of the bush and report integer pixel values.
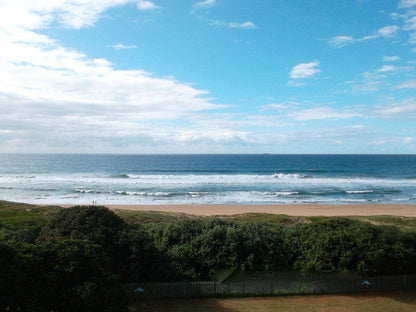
(58, 275)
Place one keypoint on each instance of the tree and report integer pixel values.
(58, 275)
(93, 223)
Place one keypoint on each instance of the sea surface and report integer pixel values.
(208, 179)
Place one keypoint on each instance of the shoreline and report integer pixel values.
(301, 210)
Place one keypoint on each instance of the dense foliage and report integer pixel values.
(81, 257)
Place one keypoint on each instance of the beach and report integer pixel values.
(313, 210)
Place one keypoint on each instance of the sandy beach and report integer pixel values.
(292, 210)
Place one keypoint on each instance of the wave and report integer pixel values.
(351, 184)
(215, 177)
(88, 191)
(280, 193)
(151, 194)
(359, 192)
(292, 176)
(126, 176)
(200, 194)
(293, 180)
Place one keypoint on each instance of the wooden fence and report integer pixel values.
(276, 287)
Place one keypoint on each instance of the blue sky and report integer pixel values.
(212, 76)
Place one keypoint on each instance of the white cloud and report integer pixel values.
(341, 41)
(410, 23)
(404, 110)
(120, 46)
(244, 25)
(218, 23)
(318, 113)
(409, 17)
(145, 5)
(384, 32)
(304, 70)
(410, 84)
(276, 106)
(355, 127)
(378, 79)
(407, 4)
(378, 142)
(412, 38)
(390, 58)
(57, 99)
(29, 14)
(204, 4)
(386, 68)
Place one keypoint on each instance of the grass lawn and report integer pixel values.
(364, 302)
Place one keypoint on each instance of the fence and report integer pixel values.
(330, 284)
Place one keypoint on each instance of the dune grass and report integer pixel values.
(20, 214)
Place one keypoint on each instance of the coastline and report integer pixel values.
(302, 210)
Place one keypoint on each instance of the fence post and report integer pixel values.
(404, 280)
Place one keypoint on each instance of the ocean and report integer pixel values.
(208, 179)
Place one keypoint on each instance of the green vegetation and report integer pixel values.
(83, 255)
(23, 214)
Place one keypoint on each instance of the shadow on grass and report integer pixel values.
(179, 305)
(405, 296)
(400, 300)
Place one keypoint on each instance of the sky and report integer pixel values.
(210, 76)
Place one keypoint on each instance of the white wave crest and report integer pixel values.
(359, 192)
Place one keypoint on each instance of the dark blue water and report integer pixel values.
(219, 179)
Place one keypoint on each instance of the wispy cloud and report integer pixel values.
(380, 78)
(243, 25)
(390, 58)
(386, 68)
(203, 5)
(408, 15)
(385, 32)
(404, 110)
(278, 106)
(341, 41)
(318, 113)
(412, 38)
(294, 111)
(305, 70)
(120, 46)
(410, 23)
(410, 84)
(206, 4)
(223, 24)
(145, 5)
(407, 4)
